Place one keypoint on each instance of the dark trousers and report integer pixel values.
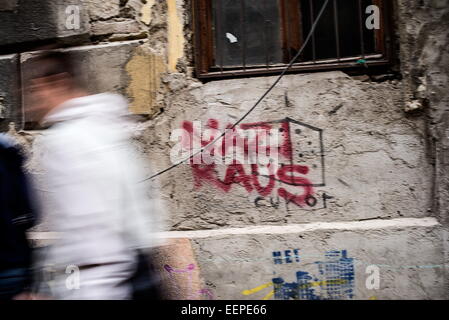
(13, 282)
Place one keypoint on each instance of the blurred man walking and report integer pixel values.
(92, 174)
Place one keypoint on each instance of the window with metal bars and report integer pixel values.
(244, 37)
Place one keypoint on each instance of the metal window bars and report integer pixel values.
(217, 64)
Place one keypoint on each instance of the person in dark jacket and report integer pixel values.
(16, 217)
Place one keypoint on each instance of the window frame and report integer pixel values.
(204, 44)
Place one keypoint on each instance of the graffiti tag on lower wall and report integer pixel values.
(191, 293)
(286, 256)
(333, 280)
(295, 165)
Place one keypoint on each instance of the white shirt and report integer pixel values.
(94, 178)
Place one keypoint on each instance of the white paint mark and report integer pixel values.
(231, 37)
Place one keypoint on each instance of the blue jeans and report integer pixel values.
(12, 282)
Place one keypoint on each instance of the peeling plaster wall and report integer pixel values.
(375, 152)
(425, 68)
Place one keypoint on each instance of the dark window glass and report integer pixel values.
(341, 33)
(247, 33)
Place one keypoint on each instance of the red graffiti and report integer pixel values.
(263, 191)
(284, 179)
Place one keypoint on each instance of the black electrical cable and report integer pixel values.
(312, 30)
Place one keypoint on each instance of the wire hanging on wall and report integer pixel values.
(312, 30)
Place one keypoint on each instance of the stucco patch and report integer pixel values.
(175, 35)
(144, 70)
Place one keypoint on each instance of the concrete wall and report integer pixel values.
(375, 153)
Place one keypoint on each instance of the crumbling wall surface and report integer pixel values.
(425, 64)
(367, 160)
(9, 83)
(378, 166)
(355, 208)
(327, 261)
(374, 168)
